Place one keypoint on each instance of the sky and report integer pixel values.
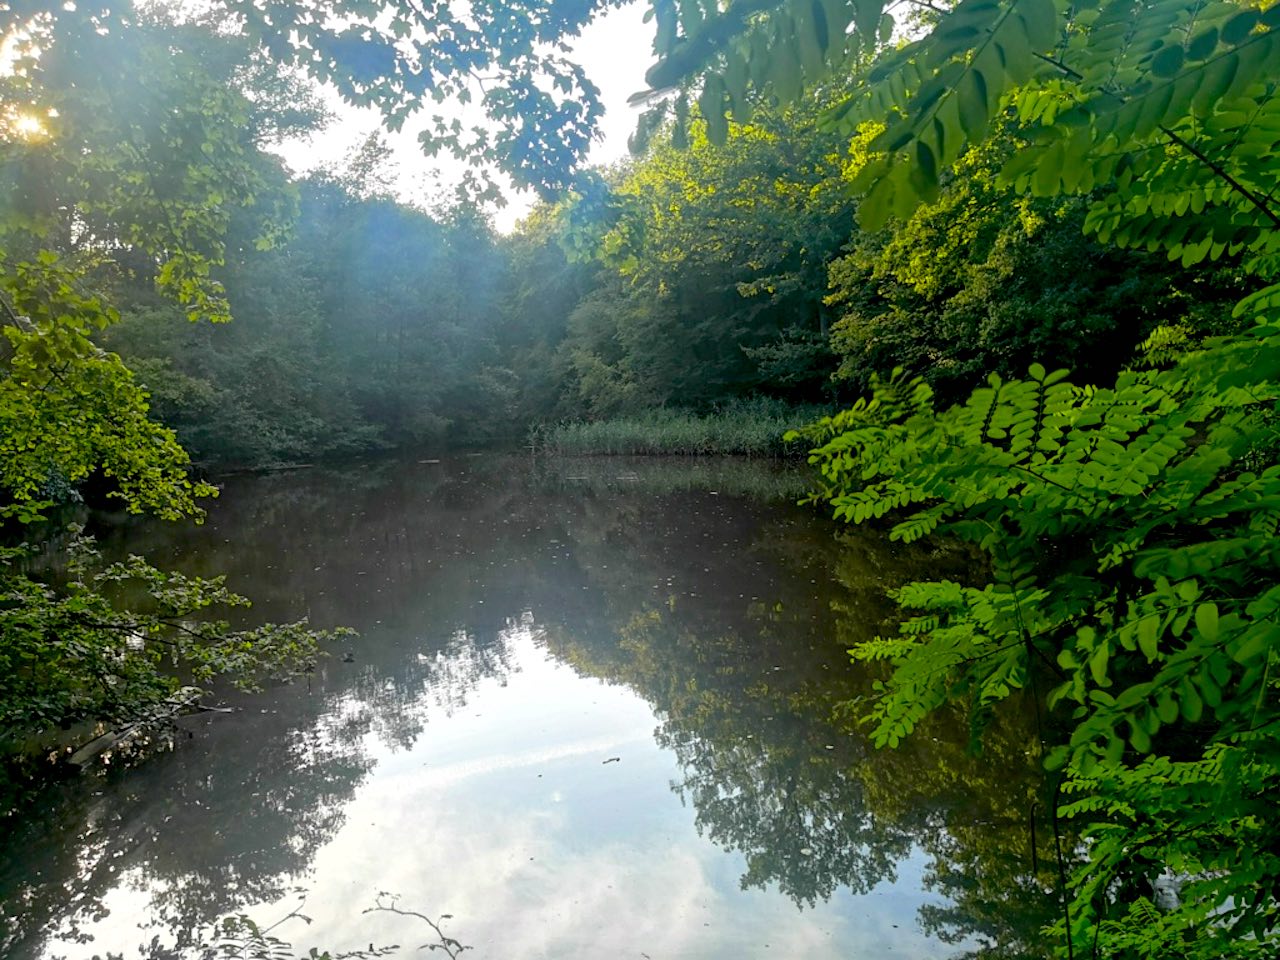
(615, 50)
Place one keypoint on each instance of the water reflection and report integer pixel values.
(582, 692)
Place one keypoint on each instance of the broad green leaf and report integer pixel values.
(1098, 665)
(1040, 21)
(1168, 61)
(1207, 621)
(1148, 636)
(971, 94)
(1238, 28)
(1202, 45)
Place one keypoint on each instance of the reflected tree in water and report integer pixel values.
(754, 703)
(288, 788)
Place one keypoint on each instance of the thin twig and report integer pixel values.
(10, 312)
(1231, 181)
(447, 943)
(1062, 870)
(1259, 202)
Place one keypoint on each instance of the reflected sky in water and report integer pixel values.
(593, 712)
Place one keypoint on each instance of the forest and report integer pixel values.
(1005, 274)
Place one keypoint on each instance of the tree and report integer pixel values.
(107, 174)
(731, 242)
(541, 288)
(1128, 529)
(986, 280)
(509, 59)
(1169, 100)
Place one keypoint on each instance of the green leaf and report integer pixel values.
(1256, 643)
(1216, 79)
(1139, 737)
(1148, 636)
(971, 96)
(1168, 61)
(1202, 45)
(1040, 22)
(1236, 30)
(711, 105)
(876, 206)
(1056, 758)
(1207, 621)
(680, 129)
(1192, 705)
(886, 28)
(927, 163)
(1098, 665)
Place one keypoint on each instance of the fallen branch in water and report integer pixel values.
(165, 710)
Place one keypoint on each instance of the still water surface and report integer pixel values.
(595, 710)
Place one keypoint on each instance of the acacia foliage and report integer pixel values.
(986, 280)
(1169, 101)
(1130, 534)
(1129, 530)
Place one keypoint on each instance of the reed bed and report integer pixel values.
(752, 428)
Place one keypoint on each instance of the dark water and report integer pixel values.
(596, 710)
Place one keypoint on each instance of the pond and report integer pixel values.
(596, 708)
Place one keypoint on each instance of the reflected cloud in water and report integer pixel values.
(582, 718)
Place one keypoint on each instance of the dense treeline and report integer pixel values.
(374, 325)
(693, 279)
(133, 156)
(694, 276)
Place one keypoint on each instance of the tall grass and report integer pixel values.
(750, 427)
